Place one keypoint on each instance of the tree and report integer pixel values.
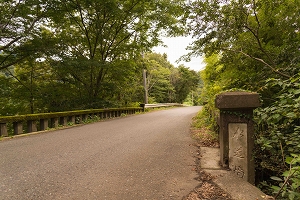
(63, 55)
(8, 104)
(98, 38)
(166, 83)
(266, 32)
(20, 24)
(159, 71)
(254, 45)
(255, 40)
(187, 80)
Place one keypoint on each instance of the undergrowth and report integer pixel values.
(203, 131)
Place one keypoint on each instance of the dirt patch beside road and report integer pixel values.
(207, 189)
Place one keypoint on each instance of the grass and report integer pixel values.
(202, 132)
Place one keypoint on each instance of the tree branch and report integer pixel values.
(265, 63)
(12, 63)
(15, 77)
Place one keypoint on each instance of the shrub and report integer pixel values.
(278, 135)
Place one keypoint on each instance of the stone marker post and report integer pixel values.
(237, 132)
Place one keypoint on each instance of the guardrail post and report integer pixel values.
(3, 130)
(108, 114)
(31, 126)
(54, 122)
(237, 132)
(63, 121)
(44, 124)
(72, 119)
(18, 128)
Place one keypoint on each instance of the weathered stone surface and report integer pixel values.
(238, 152)
(238, 188)
(31, 126)
(44, 123)
(18, 128)
(237, 100)
(3, 130)
(237, 132)
(206, 161)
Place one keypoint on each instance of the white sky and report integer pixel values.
(177, 48)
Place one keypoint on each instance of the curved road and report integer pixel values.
(147, 156)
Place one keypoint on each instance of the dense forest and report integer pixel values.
(65, 54)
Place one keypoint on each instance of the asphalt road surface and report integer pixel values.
(147, 156)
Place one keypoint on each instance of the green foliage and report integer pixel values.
(279, 128)
(211, 87)
(165, 83)
(212, 80)
(8, 104)
(203, 123)
(68, 55)
(123, 115)
(262, 35)
(205, 119)
(23, 32)
(186, 82)
(159, 71)
(101, 44)
(254, 46)
(91, 119)
(289, 186)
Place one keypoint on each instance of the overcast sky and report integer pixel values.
(177, 48)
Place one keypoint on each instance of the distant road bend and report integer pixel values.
(146, 156)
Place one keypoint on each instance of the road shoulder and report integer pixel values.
(216, 182)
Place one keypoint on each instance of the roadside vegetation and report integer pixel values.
(75, 55)
(202, 130)
(254, 47)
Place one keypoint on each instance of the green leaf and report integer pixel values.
(296, 185)
(295, 155)
(276, 178)
(275, 188)
(291, 115)
(286, 173)
(288, 160)
(296, 91)
(291, 196)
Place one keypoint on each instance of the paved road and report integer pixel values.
(146, 156)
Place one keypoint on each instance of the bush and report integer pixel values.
(278, 136)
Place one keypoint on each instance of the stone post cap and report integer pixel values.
(237, 100)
